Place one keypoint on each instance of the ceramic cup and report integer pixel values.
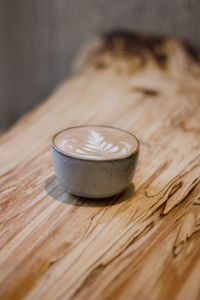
(95, 161)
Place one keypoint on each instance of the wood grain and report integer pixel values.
(143, 244)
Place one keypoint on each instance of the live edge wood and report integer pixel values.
(143, 244)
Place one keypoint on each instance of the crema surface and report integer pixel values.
(96, 142)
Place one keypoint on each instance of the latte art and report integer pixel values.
(96, 146)
(96, 142)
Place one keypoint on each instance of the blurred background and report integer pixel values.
(40, 39)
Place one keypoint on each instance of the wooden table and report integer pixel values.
(143, 244)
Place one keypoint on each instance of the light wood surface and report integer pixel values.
(144, 244)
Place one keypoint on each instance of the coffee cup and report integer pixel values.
(95, 161)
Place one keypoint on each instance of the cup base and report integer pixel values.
(90, 196)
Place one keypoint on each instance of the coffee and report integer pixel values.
(96, 142)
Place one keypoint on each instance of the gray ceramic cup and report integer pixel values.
(92, 177)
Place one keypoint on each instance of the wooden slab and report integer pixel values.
(144, 244)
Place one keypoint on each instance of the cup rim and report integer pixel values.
(95, 159)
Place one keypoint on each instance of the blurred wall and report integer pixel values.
(39, 39)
